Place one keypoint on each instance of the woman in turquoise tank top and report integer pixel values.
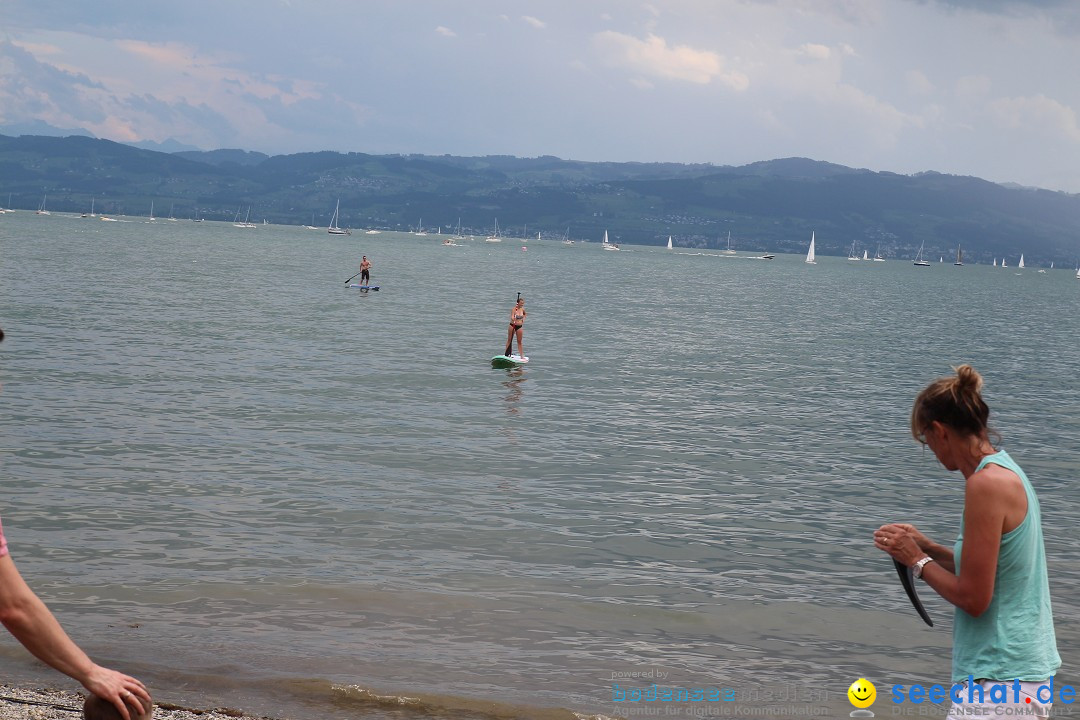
(995, 572)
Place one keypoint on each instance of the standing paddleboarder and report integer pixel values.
(517, 322)
(365, 271)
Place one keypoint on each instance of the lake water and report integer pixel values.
(250, 485)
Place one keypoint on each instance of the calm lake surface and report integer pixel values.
(250, 485)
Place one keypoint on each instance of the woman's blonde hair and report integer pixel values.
(956, 401)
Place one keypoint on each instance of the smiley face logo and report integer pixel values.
(862, 693)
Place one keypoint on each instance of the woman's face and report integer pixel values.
(939, 440)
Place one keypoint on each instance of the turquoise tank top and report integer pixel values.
(1014, 639)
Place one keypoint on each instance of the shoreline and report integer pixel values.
(44, 703)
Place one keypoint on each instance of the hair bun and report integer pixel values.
(968, 379)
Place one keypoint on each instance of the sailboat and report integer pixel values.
(419, 228)
(41, 209)
(152, 219)
(919, 261)
(729, 251)
(494, 237)
(959, 256)
(851, 253)
(668, 242)
(566, 238)
(333, 229)
(1002, 262)
(995, 262)
(1078, 272)
(1021, 263)
(810, 253)
(91, 213)
(864, 255)
(877, 255)
(171, 208)
(312, 225)
(608, 246)
(247, 217)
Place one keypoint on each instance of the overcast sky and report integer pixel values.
(972, 87)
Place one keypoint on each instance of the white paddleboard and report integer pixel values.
(506, 361)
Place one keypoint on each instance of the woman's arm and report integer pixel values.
(985, 500)
(984, 517)
(26, 617)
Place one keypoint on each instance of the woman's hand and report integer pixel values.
(903, 542)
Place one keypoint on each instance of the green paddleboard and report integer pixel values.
(508, 361)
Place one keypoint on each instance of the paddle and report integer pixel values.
(511, 343)
(907, 579)
(350, 279)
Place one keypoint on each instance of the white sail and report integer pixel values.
(810, 253)
(865, 255)
(668, 242)
(333, 229)
(919, 261)
(959, 256)
(494, 237)
(1021, 263)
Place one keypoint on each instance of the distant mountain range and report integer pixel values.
(771, 205)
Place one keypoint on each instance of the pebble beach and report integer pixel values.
(21, 703)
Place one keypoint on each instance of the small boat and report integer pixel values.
(419, 228)
(608, 246)
(1021, 263)
(810, 257)
(494, 237)
(152, 218)
(668, 242)
(312, 226)
(919, 260)
(851, 253)
(247, 217)
(41, 208)
(91, 214)
(333, 229)
(877, 255)
(959, 256)
(729, 251)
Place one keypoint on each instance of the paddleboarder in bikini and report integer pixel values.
(517, 322)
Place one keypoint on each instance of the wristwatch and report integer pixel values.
(917, 568)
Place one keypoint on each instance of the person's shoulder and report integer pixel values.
(993, 478)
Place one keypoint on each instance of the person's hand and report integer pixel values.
(903, 542)
(126, 693)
